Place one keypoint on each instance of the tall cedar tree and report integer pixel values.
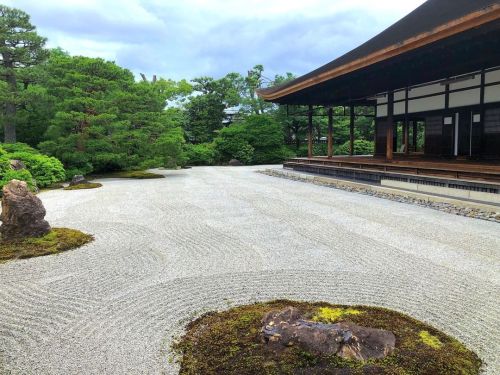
(20, 47)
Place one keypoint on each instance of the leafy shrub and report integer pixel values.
(41, 170)
(229, 142)
(200, 154)
(245, 154)
(265, 135)
(45, 170)
(262, 133)
(19, 147)
(361, 147)
(22, 175)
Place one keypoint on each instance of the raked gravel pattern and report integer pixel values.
(213, 237)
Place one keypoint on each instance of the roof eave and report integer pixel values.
(470, 21)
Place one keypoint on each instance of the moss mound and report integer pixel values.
(230, 342)
(90, 185)
(139, 175)
(58, 240)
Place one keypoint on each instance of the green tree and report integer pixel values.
(205, 110)
(20, 48)
(106, 121)
(257, 138)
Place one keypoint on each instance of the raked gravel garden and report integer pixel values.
(210, 238)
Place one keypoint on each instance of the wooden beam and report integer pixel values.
(467, 22)
(330, 133)
(390, 126)
(310, 133)
(351, 131)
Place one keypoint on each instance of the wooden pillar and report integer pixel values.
(351, 132)
(310, 133)
(330, 132)
(407, 124)
(390, 126)
(403, 135)
(482, 112)
(415, 135)
(375, 133)
(407, 137)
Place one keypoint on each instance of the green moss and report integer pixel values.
(230, 342)
(90, 185)
(56, 241)
(333, 315)
(55, 186)
(430, 340)
(139, 175)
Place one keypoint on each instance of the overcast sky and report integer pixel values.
(190, 38)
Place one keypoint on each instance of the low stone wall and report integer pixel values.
(452, 206)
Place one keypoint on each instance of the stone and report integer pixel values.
(22, 213)
(287, 328)
(77, 180)
(17, 165)
(235, 163)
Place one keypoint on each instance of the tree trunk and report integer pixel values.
(10, 108)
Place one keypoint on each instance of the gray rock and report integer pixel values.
(235, 163)
(286, 328)
(77, 180)
(17, 165)
(22, 213)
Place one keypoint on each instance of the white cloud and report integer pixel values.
(188, 38)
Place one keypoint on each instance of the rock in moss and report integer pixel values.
(78, 180)
(56, 241)
(231, 343)
(22, 213)
(89, 185)
(289, 327)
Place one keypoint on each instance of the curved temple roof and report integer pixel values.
(432, 21)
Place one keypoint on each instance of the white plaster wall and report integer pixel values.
(399, 108)
(400, 95)
(382, 110)
(463, 98)
(493, 76)
(435, 88)
(382, 99)
(476, 81)
(492, 94)
(426, 104)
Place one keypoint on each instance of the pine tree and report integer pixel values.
(20, 48)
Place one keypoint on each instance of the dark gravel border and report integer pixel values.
(435, 204)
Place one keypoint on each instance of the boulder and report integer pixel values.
(235, 163)
(287, 328)
(22, 213)
(17, 165)
(78, 180)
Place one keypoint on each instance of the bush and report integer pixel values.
(361, 147)
(265, 135)
(45, 170)
(41, 170)
(22, 175)
(229, 142)
(200, 154)
(262, 133)
(19, 147)
(245, 154)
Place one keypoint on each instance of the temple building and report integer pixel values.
(433, 75)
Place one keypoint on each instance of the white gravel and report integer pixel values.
(207, 238)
